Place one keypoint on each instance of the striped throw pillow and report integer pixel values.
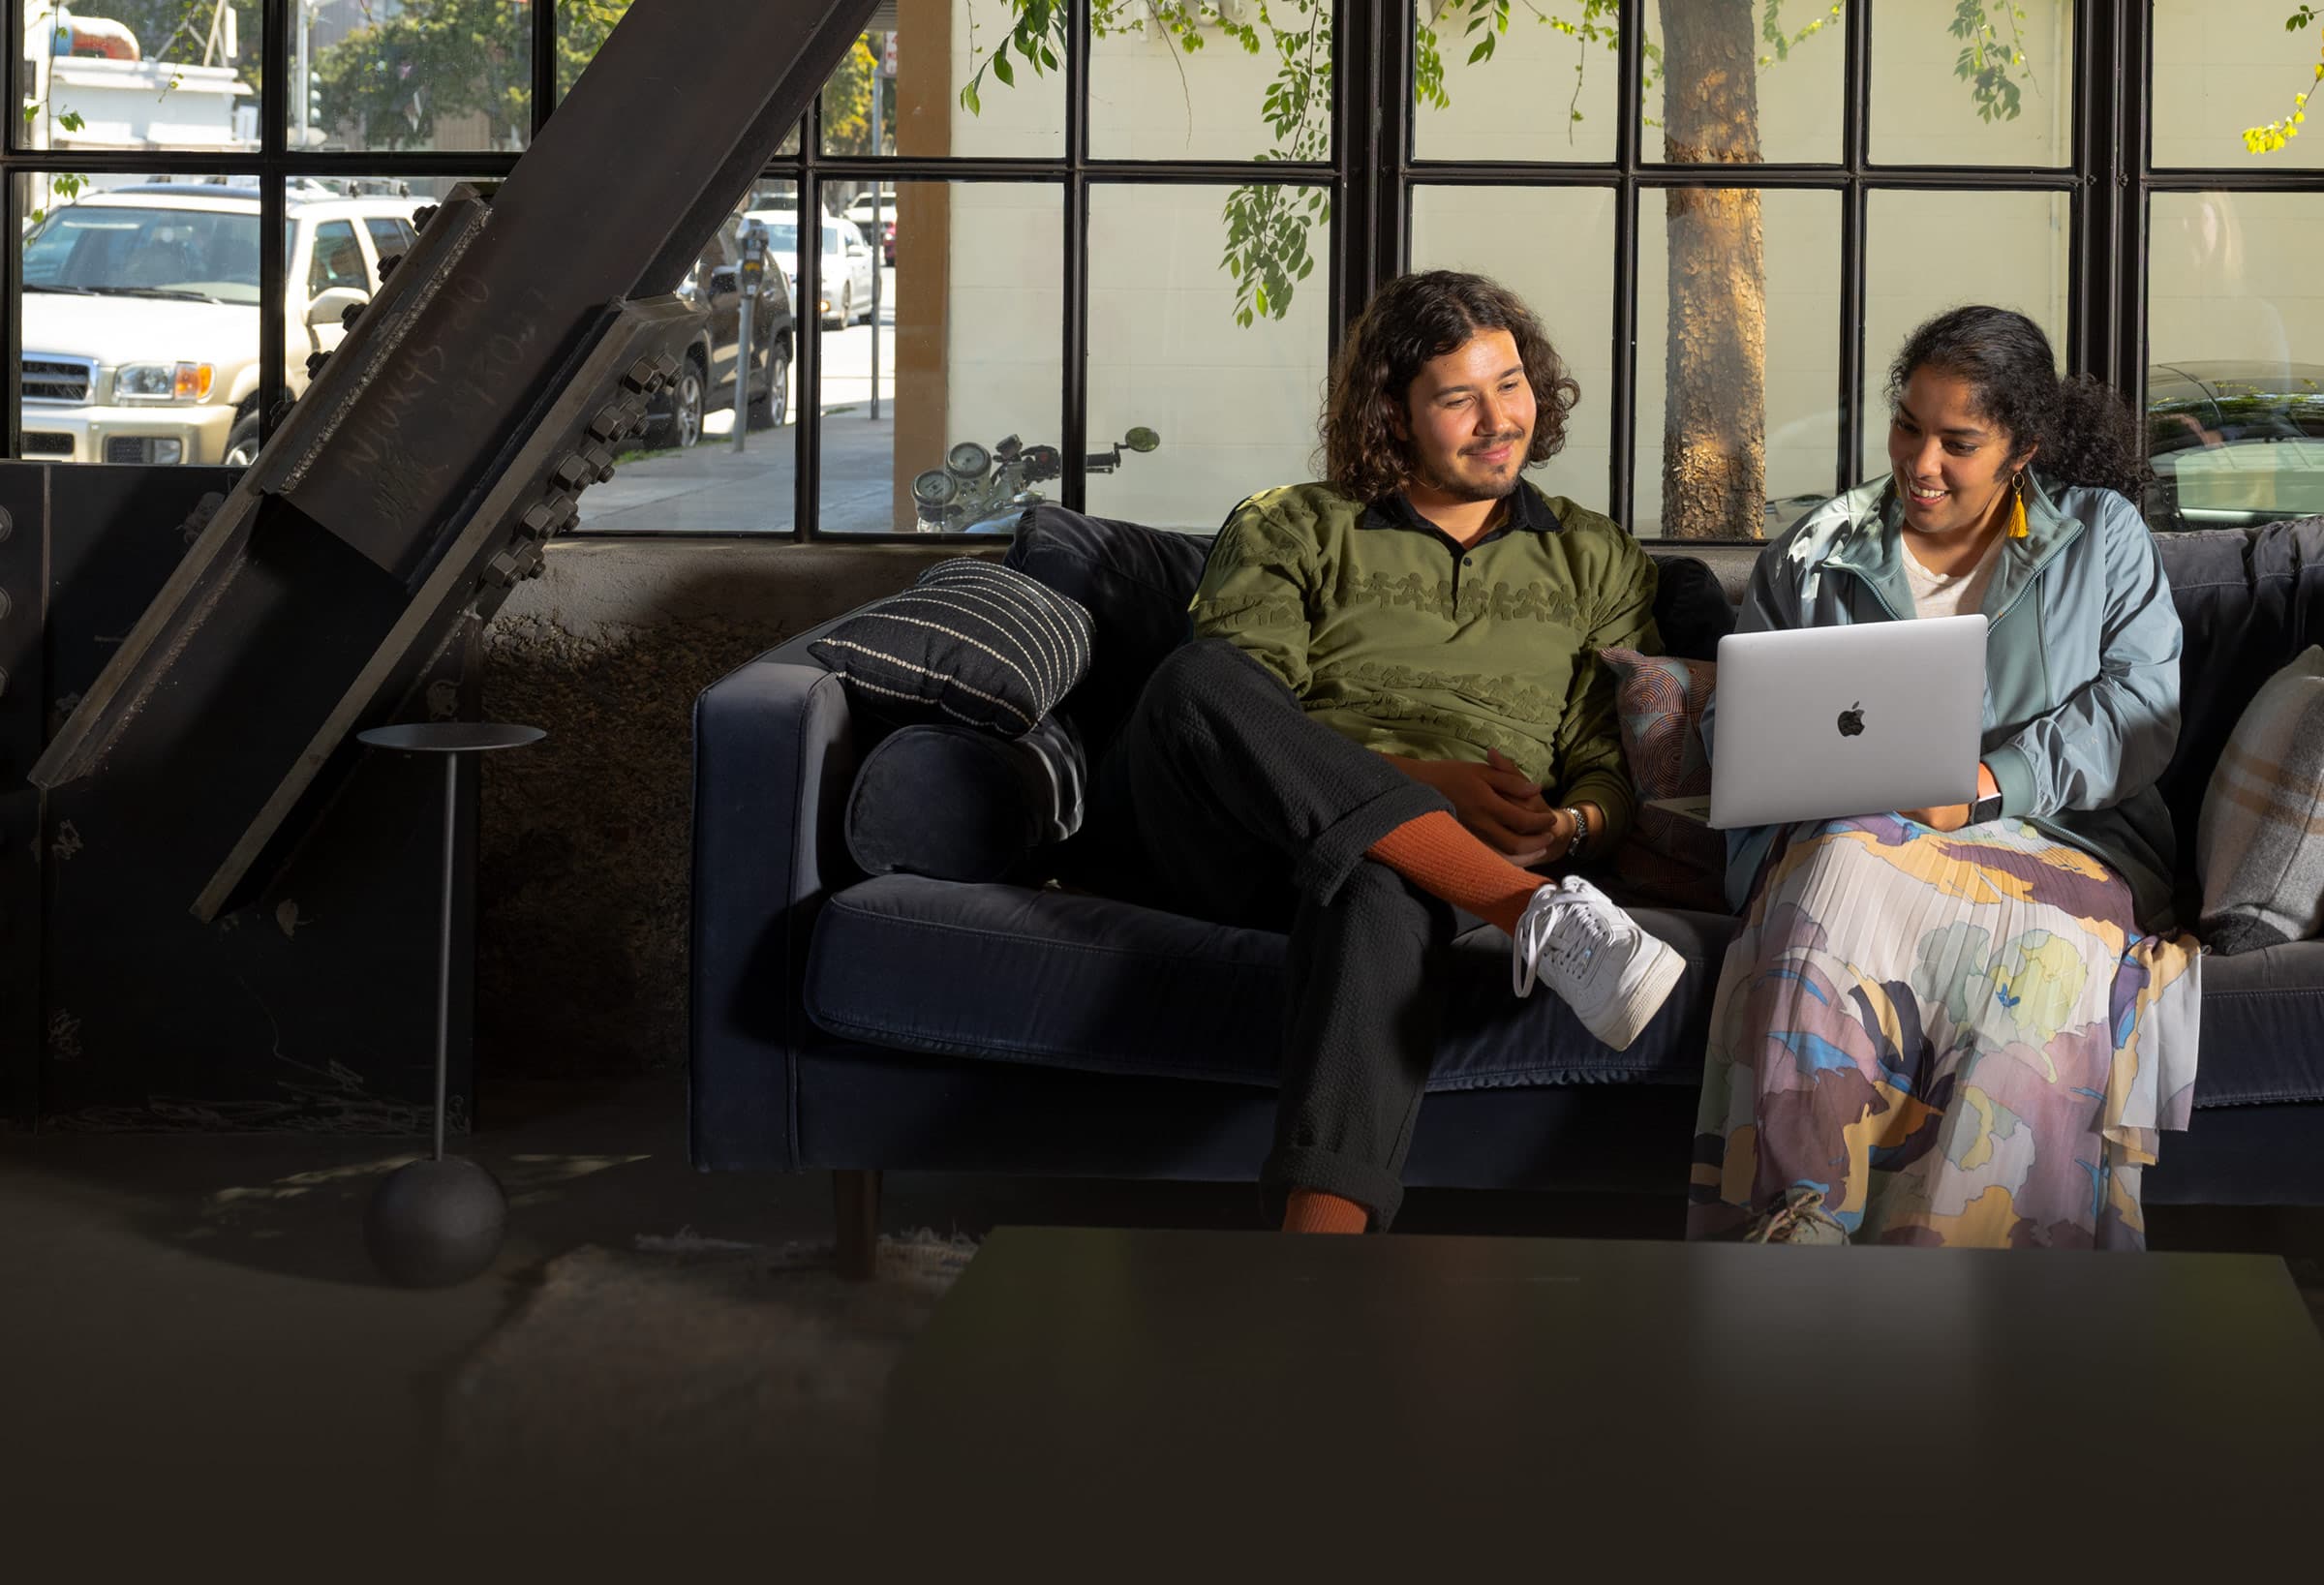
(2259, 845)
(972, 641)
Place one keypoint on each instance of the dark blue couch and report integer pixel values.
(858, 1025)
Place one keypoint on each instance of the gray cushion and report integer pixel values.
(1006, 974)
(959, 803)
(2259, 848)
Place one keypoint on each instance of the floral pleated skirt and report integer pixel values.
(1961, 1040)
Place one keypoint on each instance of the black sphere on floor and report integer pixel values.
(434, 1223)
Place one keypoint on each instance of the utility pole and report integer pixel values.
(299, 78)
(882, 77)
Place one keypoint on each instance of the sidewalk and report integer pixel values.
(711, 490)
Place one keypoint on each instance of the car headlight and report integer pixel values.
(164, 381)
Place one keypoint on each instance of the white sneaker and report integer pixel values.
(1612, 974)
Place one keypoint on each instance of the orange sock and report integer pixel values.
(1444, 857)
(1311, 1210)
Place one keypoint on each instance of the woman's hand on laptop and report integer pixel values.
(1952, 816)
(1497, 804)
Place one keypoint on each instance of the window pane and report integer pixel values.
(140, 312)
(2235, 353)
(1948, 90)
(1175, 83)
(1236, 405)
(684, 474)
(2020, 262)
(1554, 247)
(1751, 280)
(942, 92)
(2223, 66)
(421, 74)
(1542, 93)
(963, 344)
(150, 74)
(1792, 114)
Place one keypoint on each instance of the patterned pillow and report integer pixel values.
(2259, 845)
(1667, 859)
(972, 640)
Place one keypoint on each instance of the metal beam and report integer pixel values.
(478, 394)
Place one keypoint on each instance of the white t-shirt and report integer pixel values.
(1962, 594)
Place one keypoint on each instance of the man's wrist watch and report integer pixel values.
(1986, 809)
(1582, 833)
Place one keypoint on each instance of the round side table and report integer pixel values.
(439, 1221)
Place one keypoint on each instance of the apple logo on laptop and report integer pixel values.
(1852, 720)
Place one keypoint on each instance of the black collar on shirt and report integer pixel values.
(1527, 510)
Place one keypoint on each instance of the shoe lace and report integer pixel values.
(1562, 929)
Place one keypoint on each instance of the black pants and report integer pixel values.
(1222, 800)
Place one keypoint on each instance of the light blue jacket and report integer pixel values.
(2080, 664)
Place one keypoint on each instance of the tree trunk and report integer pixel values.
(1715, 424)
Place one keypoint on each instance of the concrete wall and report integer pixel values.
(582, 874)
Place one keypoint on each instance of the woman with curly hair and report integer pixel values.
(1961, 1026)
(1392, 709)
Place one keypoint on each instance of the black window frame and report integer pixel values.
(2109, 177)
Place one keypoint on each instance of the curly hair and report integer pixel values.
(1410, 320)
(2086, 432)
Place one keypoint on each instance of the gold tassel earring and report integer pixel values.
(2017, 506)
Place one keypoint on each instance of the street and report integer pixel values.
(711, 489)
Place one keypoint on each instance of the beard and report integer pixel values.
(1479, 485)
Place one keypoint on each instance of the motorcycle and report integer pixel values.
(986, 490)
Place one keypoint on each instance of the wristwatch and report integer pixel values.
(1986, 808)
(1581, 834)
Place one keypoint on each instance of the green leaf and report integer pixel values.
(1003, 70)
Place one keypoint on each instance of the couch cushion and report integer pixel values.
(2263, 1026)
(1691, 609)
(1001, 973)
(1135, 583)
(959, 803)
(2249, 601)
(1007, 974)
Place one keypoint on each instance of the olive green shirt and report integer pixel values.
(1392, 634)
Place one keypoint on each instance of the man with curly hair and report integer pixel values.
(1390, 715)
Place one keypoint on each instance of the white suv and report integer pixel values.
(141, 316)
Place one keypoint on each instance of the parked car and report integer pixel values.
(2234, 444)
(846, 267)
(141, 316)
(877, 217)
(706, 380)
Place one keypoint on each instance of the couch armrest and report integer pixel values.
(775, 752)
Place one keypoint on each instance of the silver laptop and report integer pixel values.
(1821, 723)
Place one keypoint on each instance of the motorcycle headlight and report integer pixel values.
(164, 381)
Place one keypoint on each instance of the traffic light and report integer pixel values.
(315, 99)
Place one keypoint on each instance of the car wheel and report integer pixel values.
(242, 442)
(682, 427)
(768, 409)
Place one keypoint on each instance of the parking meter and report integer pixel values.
(755, 258)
